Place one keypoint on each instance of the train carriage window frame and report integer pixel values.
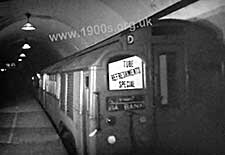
(58, 86)
(119, 59)
(168, 78)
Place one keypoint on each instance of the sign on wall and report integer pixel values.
(126, 74)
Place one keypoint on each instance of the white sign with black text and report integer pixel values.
(126, 74)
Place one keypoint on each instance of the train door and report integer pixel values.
(85, 105)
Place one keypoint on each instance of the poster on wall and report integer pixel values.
(126, 74)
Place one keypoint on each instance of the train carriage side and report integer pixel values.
(188, 80)
(93, 84)
(109, 130)
(206, 88)
(141, 92)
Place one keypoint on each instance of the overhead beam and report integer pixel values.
(172, 8)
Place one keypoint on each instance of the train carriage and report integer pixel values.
(188, 88)
(156, 90)
(101, 96)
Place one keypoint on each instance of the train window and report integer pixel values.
(52, 85)
(66, 92)
(58, 86)
(223, 68)
(45, 79)
(77, 90)
(70, 95)
(87, 81)
(47, 83)
(40, 82)
(167, 77)
(126, 72)
(163, 79)
(63, 92)
(87, 91)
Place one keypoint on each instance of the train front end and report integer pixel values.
(122, 105)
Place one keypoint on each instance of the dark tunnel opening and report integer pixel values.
(18, 81)
(15, 83)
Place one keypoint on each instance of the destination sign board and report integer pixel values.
(126, 74)
(122, 103)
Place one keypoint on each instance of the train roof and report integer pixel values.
(73, 60)
(87, 57)
(88, 53)
(76, 62)
(58, 65)
(83, 61)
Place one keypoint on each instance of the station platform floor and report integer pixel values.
(26, 130)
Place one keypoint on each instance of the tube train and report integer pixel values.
(156, 90)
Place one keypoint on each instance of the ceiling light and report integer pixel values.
(28, 26)
(20, 60)
(10, 65)
(26, 46)
(13, 64)
(7, 64)
(22, 55)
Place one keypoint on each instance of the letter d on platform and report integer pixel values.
(130, 39)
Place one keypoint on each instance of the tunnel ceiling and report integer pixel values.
(52, 18)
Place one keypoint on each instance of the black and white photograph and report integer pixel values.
(112, 77)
